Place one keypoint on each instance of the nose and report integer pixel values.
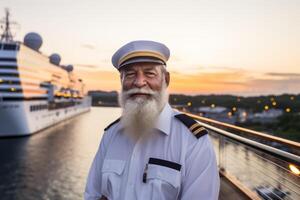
(140, 81)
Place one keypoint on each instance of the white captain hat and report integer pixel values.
(141, 51)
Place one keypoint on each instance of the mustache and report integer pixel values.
(133, 91)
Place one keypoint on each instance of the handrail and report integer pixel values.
(256, 156)
(292, 157)
(283, 154)
(252, 132)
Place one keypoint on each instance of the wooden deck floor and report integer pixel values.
(228, 191)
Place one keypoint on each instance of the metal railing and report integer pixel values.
(252, 164)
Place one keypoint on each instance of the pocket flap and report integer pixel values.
(166, 174)
(116, 166)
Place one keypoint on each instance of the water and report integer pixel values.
(54, 163)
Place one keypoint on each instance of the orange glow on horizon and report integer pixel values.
(218, 82)
(180, 83)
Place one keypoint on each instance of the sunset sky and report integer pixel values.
(242, 47)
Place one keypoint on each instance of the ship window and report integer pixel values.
(9, 47)
(8, 59)
(38, 107)
(9, 82)
(8, 67)
(5, 74)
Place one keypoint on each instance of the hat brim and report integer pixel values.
(141, 60)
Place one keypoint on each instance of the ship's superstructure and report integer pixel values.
(35, 90)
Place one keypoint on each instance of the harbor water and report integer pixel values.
(53, 163)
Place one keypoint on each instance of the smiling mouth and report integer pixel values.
(139, 95)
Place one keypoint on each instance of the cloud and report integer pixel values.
(276, 86)
(88, 46)
(176, 58)
(200, 69)
(284, 75)
(86, 66)
(235, 81)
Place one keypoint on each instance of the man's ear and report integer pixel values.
(121, 76)
(167, 78)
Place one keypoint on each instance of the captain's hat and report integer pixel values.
(141, 51)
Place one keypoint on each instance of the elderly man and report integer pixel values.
(151, 151)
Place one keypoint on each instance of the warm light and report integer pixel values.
(229, 114)
(274, 103)
(266, 107)
(58, 94)
(67, 95)
(1, 80)
(244, 114)
(234, 109)
(294, 169)
(287, 110)
(203, 101)
(292, 98)
(212, 105)
(189, 103)
(13, 89)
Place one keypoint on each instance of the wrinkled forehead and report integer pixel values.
(141, 66)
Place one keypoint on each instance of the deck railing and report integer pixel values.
(260, 165)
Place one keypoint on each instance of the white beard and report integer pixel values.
(139, 115)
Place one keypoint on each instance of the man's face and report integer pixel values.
(142, 76)
(143, 96)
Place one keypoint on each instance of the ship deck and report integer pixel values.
(229, 191)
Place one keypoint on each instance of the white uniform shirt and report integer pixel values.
(119, 165)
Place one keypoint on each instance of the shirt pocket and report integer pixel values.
(162, 182)
(112, 171)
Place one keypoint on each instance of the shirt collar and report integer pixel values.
(164, 119)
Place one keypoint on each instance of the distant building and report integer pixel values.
(102, 98)
(217, 113)
(214, 110)
(267, 116)
(242, 115)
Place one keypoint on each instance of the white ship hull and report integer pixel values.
(18, 119)
(35, 90)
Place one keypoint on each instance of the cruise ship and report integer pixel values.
(36, 91)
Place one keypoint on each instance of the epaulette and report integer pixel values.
(197, 130)
(114, 122)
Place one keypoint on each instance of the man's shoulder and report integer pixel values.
(112, 124)
(192, 125)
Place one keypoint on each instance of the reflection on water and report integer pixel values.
(53, 164)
